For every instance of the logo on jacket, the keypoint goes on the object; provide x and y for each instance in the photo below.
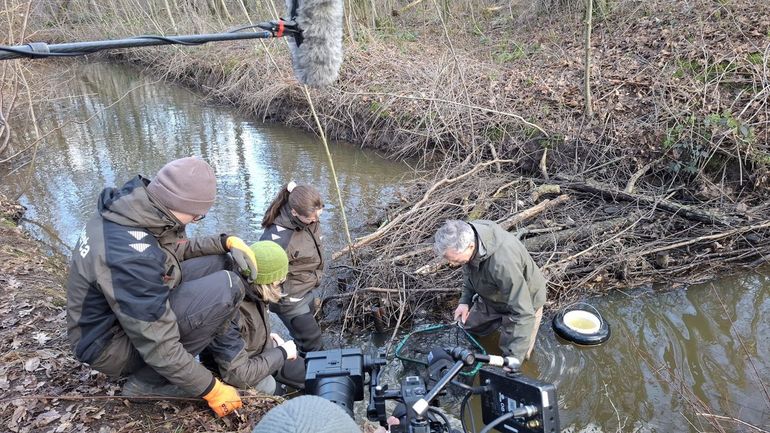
(137, 234)
(82, 245)
(139, 247)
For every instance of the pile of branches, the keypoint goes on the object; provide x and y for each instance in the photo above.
(587, 236)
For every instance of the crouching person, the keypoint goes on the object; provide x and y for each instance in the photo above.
(249, 356)
(142, 299)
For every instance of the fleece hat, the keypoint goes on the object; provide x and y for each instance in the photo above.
(307, 414)
(272, 262)
(185, 185)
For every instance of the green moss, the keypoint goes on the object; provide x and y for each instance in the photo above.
(229, 66)
(379, 109)
(686, 67)
(508, 56)
(5, 222)
(494, 134)
(761, 157)
(756, 58)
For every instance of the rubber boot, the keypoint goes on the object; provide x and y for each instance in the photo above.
(306, 333)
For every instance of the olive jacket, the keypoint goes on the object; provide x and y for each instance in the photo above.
(504, 274)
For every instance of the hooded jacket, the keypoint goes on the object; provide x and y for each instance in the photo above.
(249, 354)
(123, 267)
(503, 273)
(302, 243)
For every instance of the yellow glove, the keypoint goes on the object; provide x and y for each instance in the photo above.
(243, 256)
(223, 399)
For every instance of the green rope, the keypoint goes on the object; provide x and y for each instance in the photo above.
(430, 328)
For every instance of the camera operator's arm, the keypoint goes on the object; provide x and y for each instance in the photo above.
(391, 422)
(515, 338)
(235, 365)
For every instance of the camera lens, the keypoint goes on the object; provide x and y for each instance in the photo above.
(339, 390)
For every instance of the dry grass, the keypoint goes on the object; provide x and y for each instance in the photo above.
(680, 119)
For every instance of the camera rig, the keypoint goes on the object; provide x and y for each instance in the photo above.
(510, 401)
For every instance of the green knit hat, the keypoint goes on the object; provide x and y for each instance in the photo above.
(272, 263)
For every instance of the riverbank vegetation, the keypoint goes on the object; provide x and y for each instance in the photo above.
(636, 152)
(655, 171)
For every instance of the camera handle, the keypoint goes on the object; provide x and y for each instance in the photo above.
(422, 405)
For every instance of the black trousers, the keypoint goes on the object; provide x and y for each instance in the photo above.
(204, 302)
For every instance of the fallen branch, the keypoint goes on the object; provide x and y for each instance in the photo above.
(731, 419)
(401, 309)
(397, 12)
(530, 213)
(739, 230)
(593, 246)
(635, 178)
(360, 242)
(389, 291)
(415, 252)
(616, 194)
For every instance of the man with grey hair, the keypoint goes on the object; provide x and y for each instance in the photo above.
(500, 279)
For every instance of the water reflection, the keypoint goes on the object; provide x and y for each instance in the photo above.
(673, 355)
(110, 124)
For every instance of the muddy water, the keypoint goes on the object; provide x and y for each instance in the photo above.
(673, 355)
(676, 362)
(111, 123)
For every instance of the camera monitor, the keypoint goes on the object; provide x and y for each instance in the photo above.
(511, 392)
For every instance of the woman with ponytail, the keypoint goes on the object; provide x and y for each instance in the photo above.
(292, 221)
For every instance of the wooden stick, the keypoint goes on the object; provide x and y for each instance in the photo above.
(616, 194)
(764, 225)
(387, 290)
(365, 240)
(727, 418)
(546, 241)
(635, 177)
(576, 255)
(533, 211)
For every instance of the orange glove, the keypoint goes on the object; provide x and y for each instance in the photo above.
(223, 399)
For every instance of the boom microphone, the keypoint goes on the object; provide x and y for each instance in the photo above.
(314, 29)
(316, 54)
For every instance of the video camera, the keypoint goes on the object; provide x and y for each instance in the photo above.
(510, 402)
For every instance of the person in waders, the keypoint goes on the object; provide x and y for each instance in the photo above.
(143, 299)
(502, 286)
(267, 356)
(293, 222)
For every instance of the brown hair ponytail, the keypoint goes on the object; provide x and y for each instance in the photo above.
(304, 199)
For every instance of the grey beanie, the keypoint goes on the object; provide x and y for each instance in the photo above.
(185, 185)
(307, 414)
